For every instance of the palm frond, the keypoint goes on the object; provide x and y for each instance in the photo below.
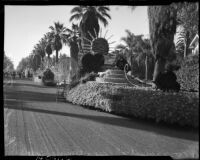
(78, 9)
(103, 9)
(104, 14)
(76, 17)
(102, 19)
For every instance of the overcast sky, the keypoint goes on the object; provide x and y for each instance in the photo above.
(26, 25)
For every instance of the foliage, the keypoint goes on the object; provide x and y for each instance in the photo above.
(120, 61)
(74, 42)
(48, 49)
(162, 27)
(188, 74)
(188, 19)
(48, 75)
(137, 51)
(7, 64)
(98, 62)
(36, 62)
(89, 77)
(89, 17)
(92, 62)
(24, 63)
(173, 108)
(57, 37)
(100, 46)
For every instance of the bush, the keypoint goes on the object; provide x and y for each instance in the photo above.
(120, 61)
(92, 63)
(89, 77)
(48, 76)
(175, 108)
(87, 62)
(188, 74)
(98, 62)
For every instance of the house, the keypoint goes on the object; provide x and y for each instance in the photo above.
(194, 45)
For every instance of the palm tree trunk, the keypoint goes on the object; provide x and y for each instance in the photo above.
(56, 56)
(146, 67)
(159, 67)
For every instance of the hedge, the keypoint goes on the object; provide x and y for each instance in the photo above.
(179, 108)
(188, 74)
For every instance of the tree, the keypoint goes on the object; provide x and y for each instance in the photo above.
(162, 27)
(188, 20)
(129, 46)
(73, 42)
(136, 49)
(57, 37)
(89, 17)
(7, 64)
(24, 64)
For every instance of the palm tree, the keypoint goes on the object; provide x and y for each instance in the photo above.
(57, 37)
(145, 54)
(182, 44)
(73, 41)
(131, 47)
(89, 17)
(162, 27)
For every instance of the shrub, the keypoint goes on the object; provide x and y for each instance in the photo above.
(48, 75)
(188, 74)
(87, 62)
(120, 61)
(48, 78)
(175, 108)
(98, 62)
(89, 77)
(92, 63)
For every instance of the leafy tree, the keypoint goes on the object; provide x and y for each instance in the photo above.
(24, 63)
(162, 27)
(35, 61)
(7, 64)
(89, 17)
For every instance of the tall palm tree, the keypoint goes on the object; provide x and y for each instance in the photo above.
(162, 27)
(73, 41)
(131, 46)
(89, 17)
(57, 37)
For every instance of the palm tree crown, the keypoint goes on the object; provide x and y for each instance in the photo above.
(100, 12)
(57, 37)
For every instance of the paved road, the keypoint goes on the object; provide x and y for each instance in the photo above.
(36, 125)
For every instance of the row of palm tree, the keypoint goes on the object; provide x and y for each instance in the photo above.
(162, 30)
(88, 17)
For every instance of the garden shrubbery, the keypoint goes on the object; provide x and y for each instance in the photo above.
(92, 63)
(48, 77)
(188, 74)
(179, 108)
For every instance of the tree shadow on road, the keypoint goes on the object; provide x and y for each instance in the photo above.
(115, 121)
(31, 96)
(34, 85)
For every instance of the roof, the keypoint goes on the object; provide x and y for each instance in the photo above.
(196, 38)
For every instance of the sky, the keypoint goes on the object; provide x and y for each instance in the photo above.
(24, 26)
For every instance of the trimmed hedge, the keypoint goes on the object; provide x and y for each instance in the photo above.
(179, 108)
(188, 74)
